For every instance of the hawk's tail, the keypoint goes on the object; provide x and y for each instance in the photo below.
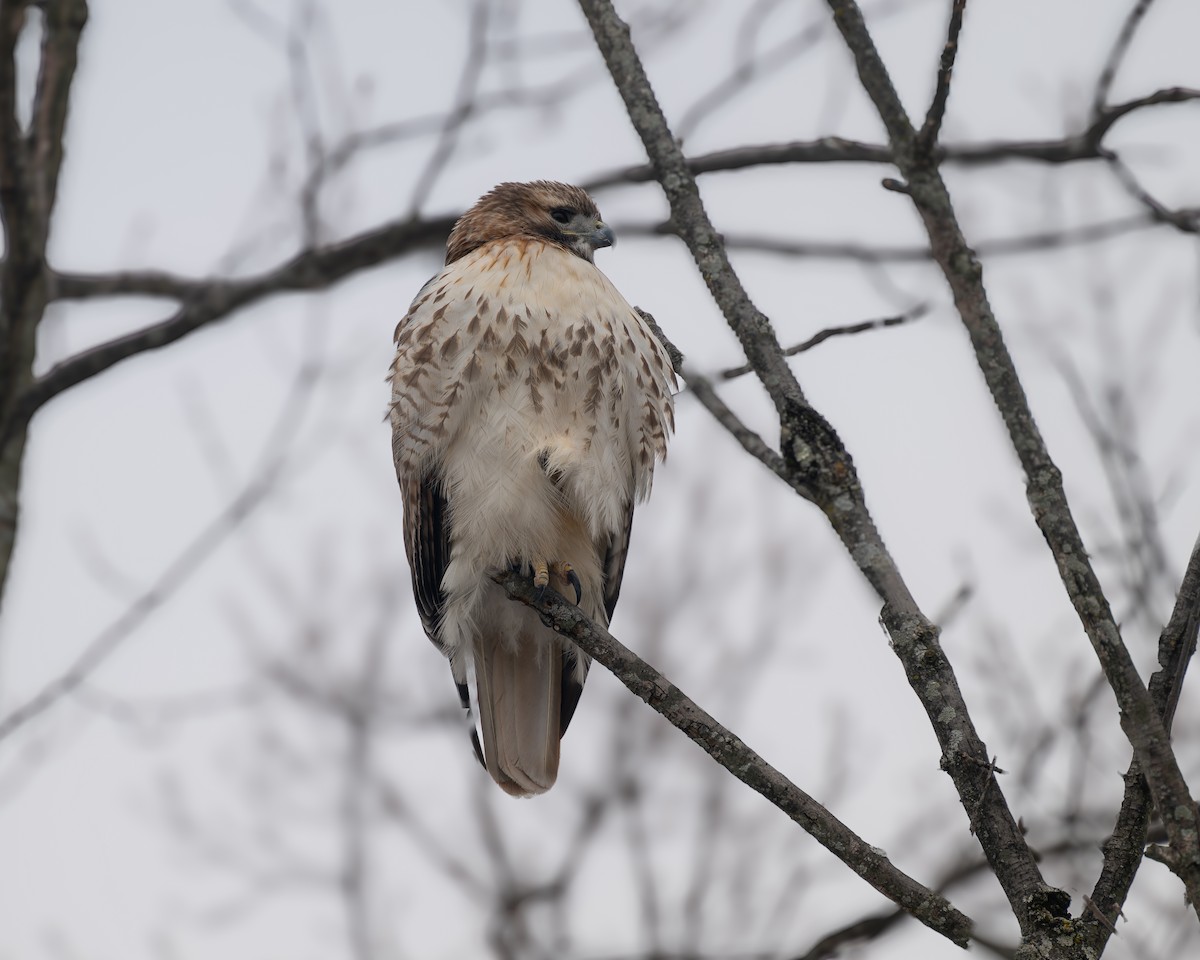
(518, 680)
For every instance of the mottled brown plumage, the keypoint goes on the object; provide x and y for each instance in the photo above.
(529, 404)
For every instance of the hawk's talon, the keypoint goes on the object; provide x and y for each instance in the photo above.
(567, 572)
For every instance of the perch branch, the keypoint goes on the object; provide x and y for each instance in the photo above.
(646, 682)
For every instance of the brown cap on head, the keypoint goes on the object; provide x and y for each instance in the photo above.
(555, 212)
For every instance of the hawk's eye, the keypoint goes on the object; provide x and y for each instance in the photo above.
(562, 214)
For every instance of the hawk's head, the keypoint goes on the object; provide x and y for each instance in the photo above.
(556, 212)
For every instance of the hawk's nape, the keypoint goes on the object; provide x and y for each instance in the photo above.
(530, 402)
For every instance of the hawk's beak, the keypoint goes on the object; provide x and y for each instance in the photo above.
(602, 236)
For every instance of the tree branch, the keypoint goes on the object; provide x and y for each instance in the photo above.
(691, 220)
(850, 329)
(1116, 55)
(818, 467)
(843, 250)
(207, 302)
(723, 746)
(1047, 499)
(65, 20)
(1107, 116)
(700, 387)
(1123, 850)
(12, 146)
(466, 96)
(1001, 246)
(29, 173)
(941, 93)
(1185, 219)
(1084, 145)
(271, 467)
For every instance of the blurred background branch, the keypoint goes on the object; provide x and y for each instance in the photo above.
(277, 765)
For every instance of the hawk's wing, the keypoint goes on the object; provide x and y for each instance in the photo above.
(612, 551)
(427, 543)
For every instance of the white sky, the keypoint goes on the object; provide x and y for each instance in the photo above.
(184, 154)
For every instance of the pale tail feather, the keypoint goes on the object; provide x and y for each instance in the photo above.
(519, 686)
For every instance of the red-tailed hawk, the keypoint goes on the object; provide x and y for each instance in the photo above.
(529, 404)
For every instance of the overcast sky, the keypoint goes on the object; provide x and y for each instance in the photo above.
(185, 153)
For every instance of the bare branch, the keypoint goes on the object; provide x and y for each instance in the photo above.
(104, 644)
(12, 145)
(818, 467)
(65, 20)
(1186, 219)
(464, 106)
(29, 172)
(207, 302)
(1116, 55)
(1123, 850)
(294, 39)
(355, 801)
(702, 389)
(1084, 145)
(1177, 644)
(1087, 233)
(1108, 116)
(751, 67)
(153, 713)
(394, 806)
(753, 329)
(1047, 499)
(860, 931)
(937, 109)
(724, 747)
(863, 326)
(1070, 149)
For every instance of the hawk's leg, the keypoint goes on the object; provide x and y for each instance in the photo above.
(560, 568)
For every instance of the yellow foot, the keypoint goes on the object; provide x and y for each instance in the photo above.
(541, 575)
(542, 571)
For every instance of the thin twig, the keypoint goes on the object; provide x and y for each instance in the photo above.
(465, 95)
(1116, 55)
(702, 389)
(1087, 233)
(1186, 219)
(216, 300)
(1106, 118)
(860, 931)
(294, 40)
(863, 326)
(754, 65)
(932, 126)
(104, 644)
